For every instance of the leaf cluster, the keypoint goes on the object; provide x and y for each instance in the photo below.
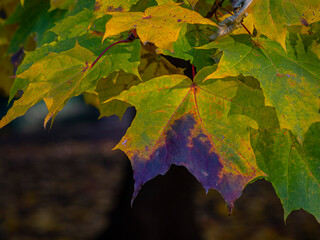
(251, 111)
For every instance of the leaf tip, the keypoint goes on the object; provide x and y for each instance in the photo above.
(230, 207)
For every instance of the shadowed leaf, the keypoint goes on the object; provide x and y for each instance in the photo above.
(290, 81)
(192, 36)
(33, 17)
(73, 25)
(289, 169)
(151, 66)
(61, 4)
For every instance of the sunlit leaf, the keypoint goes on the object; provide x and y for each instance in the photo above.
(179, 122)
(103, 7)
(160, 24)
(59, 76)
(271, 17)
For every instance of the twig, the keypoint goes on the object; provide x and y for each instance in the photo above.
(222, 8)
(216, 5)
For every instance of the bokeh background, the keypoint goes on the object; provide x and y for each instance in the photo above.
(67, 183)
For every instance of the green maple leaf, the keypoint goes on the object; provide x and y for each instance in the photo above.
(185, 123)
(155, 65)
(192, 36)
(33, 17)
(293, 171)
(250, 101)
(59, 76)
(72, 26)
(61, 4)
(271, 17)
(159, 24)
(290, 80)
(112, 86)
(310, 146)
(89, 42)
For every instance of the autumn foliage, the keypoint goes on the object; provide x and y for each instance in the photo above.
(250, 111)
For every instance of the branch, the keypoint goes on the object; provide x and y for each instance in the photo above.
(214, 8)
(233, 22)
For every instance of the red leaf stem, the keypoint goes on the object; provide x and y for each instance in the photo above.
(193, 72)
(110, 46)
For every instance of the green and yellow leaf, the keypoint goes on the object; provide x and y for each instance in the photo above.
(290, 80)
(159, 25)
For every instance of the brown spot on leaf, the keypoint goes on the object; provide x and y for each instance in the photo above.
(118, 9)
(97, 6)
(113, 9)
(147, 17)
(96, 33)
(304, 22)
(280, 75)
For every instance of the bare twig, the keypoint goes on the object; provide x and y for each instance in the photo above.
(233, 22)
(216, 5)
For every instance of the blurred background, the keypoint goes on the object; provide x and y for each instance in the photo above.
(66, 183)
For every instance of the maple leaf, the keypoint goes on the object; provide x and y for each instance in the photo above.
(155, 65)
(255, 113)
(7, 68)
(103, 7)
(192, 36)
(110, 87)
(290, 80)
(193, 3)
(159, 24)
(185, 123)
(72, 26)
(87, 41)
(250, 101)
(61, 4)
(59, 76)
(293, 172)
(271, 17)
(39, 20)
(151, 66)
(5, 73)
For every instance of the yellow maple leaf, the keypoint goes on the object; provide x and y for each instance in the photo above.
(159, 24)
